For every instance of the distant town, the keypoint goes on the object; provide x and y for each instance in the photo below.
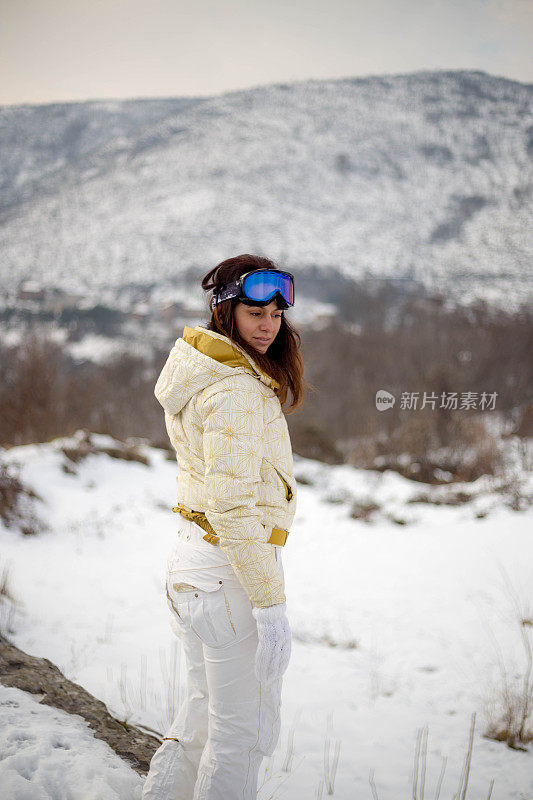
(131, 312)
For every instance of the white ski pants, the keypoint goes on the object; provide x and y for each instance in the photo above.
(229, 721)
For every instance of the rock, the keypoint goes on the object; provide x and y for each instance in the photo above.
(40, 677)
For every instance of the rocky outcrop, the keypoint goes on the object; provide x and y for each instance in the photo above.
(40, 677)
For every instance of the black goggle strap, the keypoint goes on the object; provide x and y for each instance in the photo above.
(227, 292)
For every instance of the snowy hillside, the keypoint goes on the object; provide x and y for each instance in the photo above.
(396, 626)
(424, 177)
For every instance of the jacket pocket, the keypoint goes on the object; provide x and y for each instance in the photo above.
(288, 490)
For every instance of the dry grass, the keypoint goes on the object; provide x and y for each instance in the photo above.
(8, 604)
(509, 702)
(418, 788)
(15, 502)
(83, 446)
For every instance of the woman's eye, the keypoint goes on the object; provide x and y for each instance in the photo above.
(258, 314)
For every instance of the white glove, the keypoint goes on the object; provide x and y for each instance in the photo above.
(274, 648)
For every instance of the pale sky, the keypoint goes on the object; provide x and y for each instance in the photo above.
(60, 50)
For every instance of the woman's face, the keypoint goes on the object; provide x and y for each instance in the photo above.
(258, 325)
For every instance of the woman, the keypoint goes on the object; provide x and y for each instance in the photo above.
(222, 388)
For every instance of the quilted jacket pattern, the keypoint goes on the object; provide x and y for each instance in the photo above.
(233, 450)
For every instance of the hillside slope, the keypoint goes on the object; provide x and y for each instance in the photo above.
(425, 176)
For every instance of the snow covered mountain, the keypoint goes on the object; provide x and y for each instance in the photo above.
(425, 176)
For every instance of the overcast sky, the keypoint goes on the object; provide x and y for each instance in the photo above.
(59, 50)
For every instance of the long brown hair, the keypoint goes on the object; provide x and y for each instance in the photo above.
(284, 361)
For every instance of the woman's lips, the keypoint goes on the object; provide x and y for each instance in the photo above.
(263, 341)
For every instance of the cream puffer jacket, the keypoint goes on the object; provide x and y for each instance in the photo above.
(233, 450)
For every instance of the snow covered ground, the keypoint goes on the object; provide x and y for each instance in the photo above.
(396, 626)
(40, 745)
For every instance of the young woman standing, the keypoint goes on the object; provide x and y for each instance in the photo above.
(222, 390)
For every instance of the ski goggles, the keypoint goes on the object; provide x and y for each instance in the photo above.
(258, 287)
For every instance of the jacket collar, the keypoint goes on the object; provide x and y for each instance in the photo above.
(222, 349)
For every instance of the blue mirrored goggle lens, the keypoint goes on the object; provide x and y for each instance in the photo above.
(263, 286)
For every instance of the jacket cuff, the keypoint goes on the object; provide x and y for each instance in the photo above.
(269, 613)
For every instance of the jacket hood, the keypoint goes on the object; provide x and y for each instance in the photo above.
(199, 358)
